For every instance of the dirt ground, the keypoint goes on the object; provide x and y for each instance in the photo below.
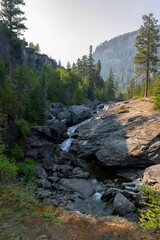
(74, 226)
(78, 227)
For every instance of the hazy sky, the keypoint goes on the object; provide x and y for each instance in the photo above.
(65, 29)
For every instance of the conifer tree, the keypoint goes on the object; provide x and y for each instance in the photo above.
(109, 86)
(147, 43)
(13, 18)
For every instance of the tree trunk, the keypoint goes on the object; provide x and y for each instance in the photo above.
(147, 78)
(146, 84)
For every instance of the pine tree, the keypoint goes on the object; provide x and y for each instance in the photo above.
(147, 43)
(109, 86)
(13, 18)
(91, 74)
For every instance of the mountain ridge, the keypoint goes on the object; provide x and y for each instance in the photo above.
(118, 54)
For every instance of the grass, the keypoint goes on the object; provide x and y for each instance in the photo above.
(17, 203)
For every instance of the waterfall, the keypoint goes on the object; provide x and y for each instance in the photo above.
(65, 145)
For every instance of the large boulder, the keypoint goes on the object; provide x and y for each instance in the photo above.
(79, 113)
(152, 175)
(128, 138)
(54, 132)
(122, 205)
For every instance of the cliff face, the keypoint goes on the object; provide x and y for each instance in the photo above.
(36, 60)
(22, 53)
(118, 53)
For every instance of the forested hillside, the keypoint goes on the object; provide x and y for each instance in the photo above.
(118, 54)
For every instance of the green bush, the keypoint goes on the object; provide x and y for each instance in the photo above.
(150, 217)
(23, 126)
(16, 152)
(27, 171)
(8, 170)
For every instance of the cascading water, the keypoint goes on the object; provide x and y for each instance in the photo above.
(65, 145)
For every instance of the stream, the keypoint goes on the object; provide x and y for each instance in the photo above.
(100, 177)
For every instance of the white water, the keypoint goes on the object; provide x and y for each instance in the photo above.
(65, 146)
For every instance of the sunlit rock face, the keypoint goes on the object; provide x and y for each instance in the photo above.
(126, 134)
(152, 175)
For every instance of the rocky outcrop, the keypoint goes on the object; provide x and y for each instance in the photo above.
(37, 60)
(127, 134)
(152, 175)
(22, 53)
(70, 115)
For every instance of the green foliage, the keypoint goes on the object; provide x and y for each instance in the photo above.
(50, 215)
(110, 87)
(27, 171)
(16, 152)
(35, 47)
(8, 169)
(147, 42)
(150, 217)
(12, 16)
(23, 126)
(18, 198)
(157, 92)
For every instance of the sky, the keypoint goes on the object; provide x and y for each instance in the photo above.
(65, 29)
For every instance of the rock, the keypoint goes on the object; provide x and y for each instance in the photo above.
(44, 130)
(109, 194)
(32, 153)
(53, 179)
(133, 118)
(43, 193)
(112, 192)
(43, 183)
(152, 175)
(46, 149)
(41, 173)
(79, 113)
(122, 205)
(53, 132)
(82, 186)
(42, 237)
(48, 162)
(65, 115)
(89, 206)
(78, 173)
(113, 141)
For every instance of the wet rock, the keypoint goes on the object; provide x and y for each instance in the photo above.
(122, 205)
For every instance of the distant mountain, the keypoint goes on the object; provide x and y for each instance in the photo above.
(118, 53)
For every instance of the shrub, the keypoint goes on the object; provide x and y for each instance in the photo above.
(150, 217)
(27, 171)
(23, 126)
(17, 152)
(8, 170)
